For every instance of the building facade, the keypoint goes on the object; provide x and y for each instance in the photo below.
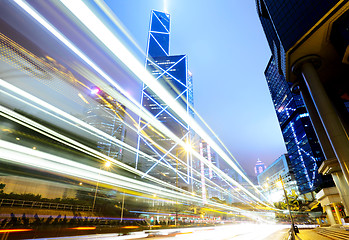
(309, 42)
(281, 167)
(301, 142)
(206, 172)
(259, 167)
(107, 115)
(172, 161)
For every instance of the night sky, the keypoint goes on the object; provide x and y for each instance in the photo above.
(227, 53)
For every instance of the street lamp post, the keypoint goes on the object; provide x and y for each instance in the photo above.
(122, 207)
(177, 155)
(187, 149)
(289, 209)
(107, 164)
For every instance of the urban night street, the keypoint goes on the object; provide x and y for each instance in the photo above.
(174, 119)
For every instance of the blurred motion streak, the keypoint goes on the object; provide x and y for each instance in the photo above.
(126, 57)
(86, 16)
(83, 228)
(15, 230)
(68, 86)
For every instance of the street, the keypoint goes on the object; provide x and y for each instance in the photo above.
(236, 232)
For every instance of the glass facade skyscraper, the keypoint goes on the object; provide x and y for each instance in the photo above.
(300, 139)
(309, 43)
(289, 24)
(172, 72)
(285, 22)
(107, 115)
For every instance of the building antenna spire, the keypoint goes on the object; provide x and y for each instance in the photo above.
(165, 6)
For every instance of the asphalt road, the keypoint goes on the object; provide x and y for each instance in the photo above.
(226, 232)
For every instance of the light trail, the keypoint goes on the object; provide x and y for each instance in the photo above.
(105, 8)
(243, 231)
(81, 11)
(86, 16)
(133, 105)
(72, 143)
(165, 6)
(36, 159)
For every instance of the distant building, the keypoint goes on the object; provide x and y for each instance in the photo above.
(211, 156)
(259, 167)
(107, 115)
(172, 72)
(281, 167)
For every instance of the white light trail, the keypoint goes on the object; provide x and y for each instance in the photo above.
(105, 8)
(70, 142)
(36, 159)
(81, 11)
(242, 231)
(79, 124)
(132, 105)
(165, 6)
(87, 17)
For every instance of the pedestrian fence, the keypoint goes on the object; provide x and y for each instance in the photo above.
(307, 226)
(42, 205)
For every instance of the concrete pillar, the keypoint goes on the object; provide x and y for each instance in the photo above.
(316, 122)
(343, 189)
(338, 178)
(330, 216)
(338, 215)
(329, 118)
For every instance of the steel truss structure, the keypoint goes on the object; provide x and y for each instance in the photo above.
(172, 72)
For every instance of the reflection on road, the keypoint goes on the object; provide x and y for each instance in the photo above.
(235, 232)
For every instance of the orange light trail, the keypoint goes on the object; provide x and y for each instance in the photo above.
(15, 230)
(130, 227)
(83, 228)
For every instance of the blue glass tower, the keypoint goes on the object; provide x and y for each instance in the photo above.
(171, 71)
(300, 139)
(285, 23)
(309, 42)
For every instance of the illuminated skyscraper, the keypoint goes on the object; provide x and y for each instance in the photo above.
(268, 179)
(309, 42)
(302, 145)
(107, 115)
(172, 72)
(259, 167)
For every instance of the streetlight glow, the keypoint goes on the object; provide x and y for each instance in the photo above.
(188, 148)
(107, 164)
(278, 184)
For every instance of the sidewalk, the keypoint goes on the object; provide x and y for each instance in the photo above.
(310, 234)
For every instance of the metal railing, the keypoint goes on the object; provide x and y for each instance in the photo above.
(42, 205)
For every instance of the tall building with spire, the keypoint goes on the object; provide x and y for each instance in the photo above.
(169, 162)
(259, 167)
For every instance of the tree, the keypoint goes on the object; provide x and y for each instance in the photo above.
(2, 186)
(280, 205)
(293, 201)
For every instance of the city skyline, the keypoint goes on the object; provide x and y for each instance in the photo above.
(153, 118)
(253, 128)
